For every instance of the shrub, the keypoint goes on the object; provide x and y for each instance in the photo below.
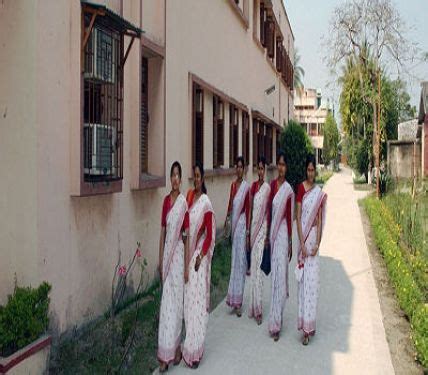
(297, 145)
(409, 294)
(24, 318)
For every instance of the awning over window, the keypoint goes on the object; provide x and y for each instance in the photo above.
(111, 19)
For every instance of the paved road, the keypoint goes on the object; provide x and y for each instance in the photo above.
(350, 334)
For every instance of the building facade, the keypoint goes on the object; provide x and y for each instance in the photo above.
(94, 111)
(309, 112)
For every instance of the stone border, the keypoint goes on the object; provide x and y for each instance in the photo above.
(7, 363)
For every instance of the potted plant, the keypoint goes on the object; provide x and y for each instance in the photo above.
(24, 343)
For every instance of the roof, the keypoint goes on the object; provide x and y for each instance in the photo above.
(423, 106)
(120, 23)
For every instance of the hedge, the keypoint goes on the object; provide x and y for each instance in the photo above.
(24, 318)
(409, 295)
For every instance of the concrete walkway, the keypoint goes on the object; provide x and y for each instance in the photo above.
(350, 335)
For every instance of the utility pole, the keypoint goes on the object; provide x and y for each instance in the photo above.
(378, 139)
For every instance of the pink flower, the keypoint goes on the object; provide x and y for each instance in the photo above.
(122, 270)
(138, 252)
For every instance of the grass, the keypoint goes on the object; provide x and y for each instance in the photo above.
(409, 287)
(323, 176)
(98, 348)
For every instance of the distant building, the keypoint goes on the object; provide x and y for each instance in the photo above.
(423, 121)
(311, 115)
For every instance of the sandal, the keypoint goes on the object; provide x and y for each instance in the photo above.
(305, 340)
(238, 312)
(275, 337)
(163, 367)
(259, 321)
(195, 365)
(178, 357)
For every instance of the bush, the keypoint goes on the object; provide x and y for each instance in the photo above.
(297, 145)
(409, 295)
(24, 318)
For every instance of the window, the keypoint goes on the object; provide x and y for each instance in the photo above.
(144, 149)
(278, 142)
(278, 55)
(320, 129)
(102, 105)
(255, 142)
(246, 137)
(262, 25)
(218, 132)
(198, 124)
(233, 134)
(268, 140)
(260, 139)
(313, 129)
(270, 37)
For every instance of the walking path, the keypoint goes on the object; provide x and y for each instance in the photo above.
(350, 335)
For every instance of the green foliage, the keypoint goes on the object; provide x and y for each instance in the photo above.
(409, 294)
(323, 177)
(24, 318)
(358, 101)
(297, 145)
(331, 140)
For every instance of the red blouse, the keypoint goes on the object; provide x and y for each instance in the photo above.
(167, 207)
(206, 225)
(246, 207)
(300, 192)
(287, 212)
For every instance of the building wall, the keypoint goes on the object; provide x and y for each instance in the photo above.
(18, 146)
(404, 158)
(49, 232)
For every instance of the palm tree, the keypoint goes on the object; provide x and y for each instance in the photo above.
(299, 72)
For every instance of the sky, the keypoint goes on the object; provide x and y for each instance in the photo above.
(309, 21)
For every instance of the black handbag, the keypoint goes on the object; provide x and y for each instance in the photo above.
(265, 266)
(248, 253)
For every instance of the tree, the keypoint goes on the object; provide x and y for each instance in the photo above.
(371, 25)
(297, 145)
(331, 140)
(299, 72)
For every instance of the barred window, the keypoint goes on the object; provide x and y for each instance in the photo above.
(233, 134)
(198, 124)
(102, 107)
(218, 132)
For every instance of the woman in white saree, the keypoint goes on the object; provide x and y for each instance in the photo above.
(282, 209)
(239, 211)
(172, 253)
(260, 193)
(311, 206)
(198, 279)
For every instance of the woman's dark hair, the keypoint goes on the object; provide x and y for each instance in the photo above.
(177, 165)
(310, 159)
(201, 169)
(261, 159)
(240, 159)
(282, 155)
